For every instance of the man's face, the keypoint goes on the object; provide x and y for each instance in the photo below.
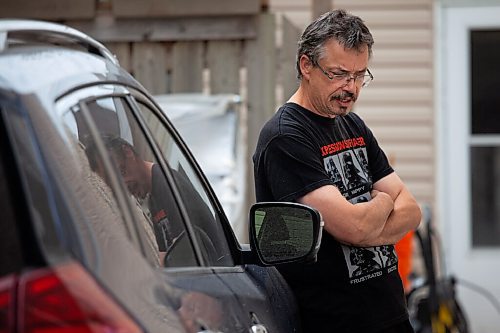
(133, 172)
(333, 96)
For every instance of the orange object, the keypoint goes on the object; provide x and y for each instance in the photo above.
(404, 250)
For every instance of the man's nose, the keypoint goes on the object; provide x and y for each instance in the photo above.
(350, 84)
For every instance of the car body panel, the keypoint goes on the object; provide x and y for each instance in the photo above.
(265, 296)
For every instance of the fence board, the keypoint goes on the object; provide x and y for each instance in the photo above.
(300, 18)
(48, 9)
(223, 60)
(162, 8)
(122, 52)
(261, 68)
(320, 6)
(289, 79)
(148, 66)
(305, 5)
(379, 3)
(187, 67)
(173, 29)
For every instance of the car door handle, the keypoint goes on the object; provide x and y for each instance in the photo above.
(207, 330)
(258, 328)
(204, 328)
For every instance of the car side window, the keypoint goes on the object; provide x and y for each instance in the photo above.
(118, 152)
(204, 217)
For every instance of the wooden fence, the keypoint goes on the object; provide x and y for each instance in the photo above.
(179, 46)
(246, 61)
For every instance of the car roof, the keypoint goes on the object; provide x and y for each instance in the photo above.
(37, 55)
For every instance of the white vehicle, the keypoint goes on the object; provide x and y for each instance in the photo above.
(210, 125)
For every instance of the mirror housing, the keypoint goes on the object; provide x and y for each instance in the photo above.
(284, 232)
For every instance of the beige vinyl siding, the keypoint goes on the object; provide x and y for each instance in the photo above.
(398, 105)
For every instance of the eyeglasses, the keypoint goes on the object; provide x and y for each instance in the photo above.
(344, 78)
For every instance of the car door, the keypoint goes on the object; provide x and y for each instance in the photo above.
(117, 146)
(105, 239)
(248, 287)
(79, 267)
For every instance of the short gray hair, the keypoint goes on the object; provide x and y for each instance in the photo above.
(347, 29)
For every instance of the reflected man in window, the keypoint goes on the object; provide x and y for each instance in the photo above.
(146, 182)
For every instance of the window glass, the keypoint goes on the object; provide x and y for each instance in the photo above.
(485, 138)
(485, 183)
(93, 201)
(122, 155)
(485, 81)
(203, 216)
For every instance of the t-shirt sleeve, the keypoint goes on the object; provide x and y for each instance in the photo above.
(293, 168)
(377, 159)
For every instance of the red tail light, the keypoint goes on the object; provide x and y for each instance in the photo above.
(61, 299)
(7, 302)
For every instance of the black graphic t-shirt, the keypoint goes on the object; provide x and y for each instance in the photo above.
(349, 289)
(163, 210)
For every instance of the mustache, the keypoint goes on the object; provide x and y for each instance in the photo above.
(345, 95)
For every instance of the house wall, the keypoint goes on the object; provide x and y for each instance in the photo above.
(399, 104)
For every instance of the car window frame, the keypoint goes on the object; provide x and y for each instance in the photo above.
(209, 223)
(149, 139)
(138, 96)
(132, 95)
(79, 99)
(119, 187)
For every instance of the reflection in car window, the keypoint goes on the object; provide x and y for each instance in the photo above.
(130, 160)
(203, 216)
(94, 197)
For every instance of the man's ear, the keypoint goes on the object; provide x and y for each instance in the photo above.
(306, 66)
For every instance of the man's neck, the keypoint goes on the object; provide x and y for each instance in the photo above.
(301, 98)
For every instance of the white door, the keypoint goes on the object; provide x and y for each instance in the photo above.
(469, 149)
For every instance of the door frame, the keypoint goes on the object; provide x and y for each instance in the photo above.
(454, 139)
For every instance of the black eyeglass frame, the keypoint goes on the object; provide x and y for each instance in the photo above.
(347, 77)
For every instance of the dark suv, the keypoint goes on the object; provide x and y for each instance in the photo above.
(107, 222)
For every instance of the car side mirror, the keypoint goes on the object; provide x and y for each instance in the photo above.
(284, 232)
